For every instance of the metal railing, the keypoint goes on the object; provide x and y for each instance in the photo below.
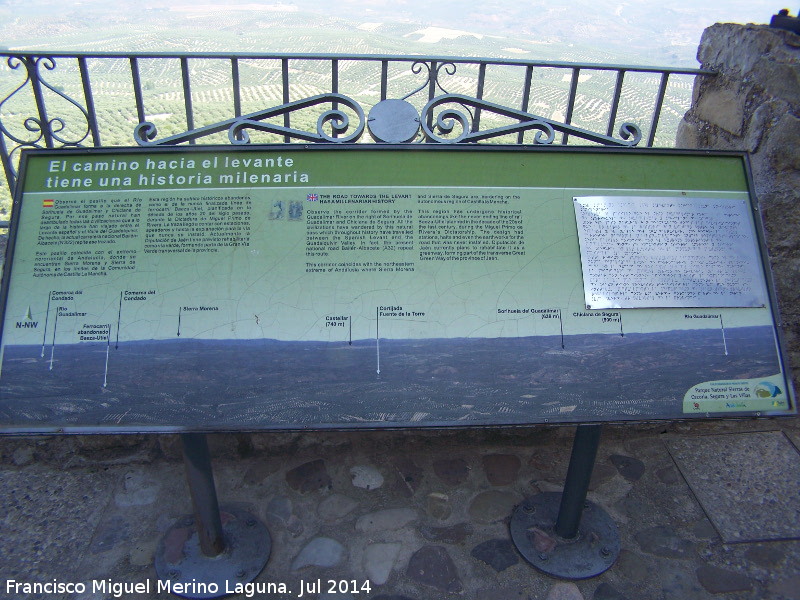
(65, 99)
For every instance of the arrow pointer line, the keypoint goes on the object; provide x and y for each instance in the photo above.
(46, 316)
(108, 347)
(724, 341)
(53, 347)
(378, 336)
(119, 318)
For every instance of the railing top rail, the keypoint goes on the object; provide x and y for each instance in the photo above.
(362, 57)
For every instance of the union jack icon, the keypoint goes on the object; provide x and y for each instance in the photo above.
(312, 197)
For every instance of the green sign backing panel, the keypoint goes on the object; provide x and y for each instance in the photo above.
(282, 287)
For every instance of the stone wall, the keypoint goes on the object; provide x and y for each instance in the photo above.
(753, 104)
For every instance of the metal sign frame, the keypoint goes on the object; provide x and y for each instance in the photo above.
(432, 156)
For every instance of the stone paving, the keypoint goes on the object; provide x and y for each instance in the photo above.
(410, 515)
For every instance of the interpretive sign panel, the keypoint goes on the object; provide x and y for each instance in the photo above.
(220, 288)
(660, 252)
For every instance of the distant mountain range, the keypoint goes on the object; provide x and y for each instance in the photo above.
(621, 31)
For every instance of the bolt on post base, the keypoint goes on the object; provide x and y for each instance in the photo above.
(591, 552)
(184, 570)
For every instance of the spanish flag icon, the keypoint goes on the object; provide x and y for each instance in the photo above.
(48, 203)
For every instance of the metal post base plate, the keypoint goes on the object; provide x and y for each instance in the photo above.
(591, 552)
(191, 574)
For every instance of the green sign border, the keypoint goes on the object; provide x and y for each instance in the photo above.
(423, 166)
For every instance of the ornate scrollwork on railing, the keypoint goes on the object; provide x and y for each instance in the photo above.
(237, 127)
(31, 124)
(433, 75)
(57, 124)
(46, 132)
(546, 129)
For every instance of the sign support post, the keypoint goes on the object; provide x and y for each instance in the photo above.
(209, 553)
(563, 534)
(579, 473)
(200, 477)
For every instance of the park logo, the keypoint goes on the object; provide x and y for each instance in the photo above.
(765, 389)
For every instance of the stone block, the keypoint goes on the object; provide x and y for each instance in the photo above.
(366, 477)
(564, 591)
(698, 86)
(784, 143)
(779, 79)
(408, 476)
(787, 284)
(389, 519)
(634, 566)
(688, 135)
(335, 507)
(501, 469)
(438, 506)
(756, 128)
(677, 584)
(736, 49)
(722, 581)
(630, 468)
(498, 554)
(453, 472)
(309, 477)
(379, 560)
(724, 108)
(432, 566)
(142, 553)
(493, 506)
(319, 552)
